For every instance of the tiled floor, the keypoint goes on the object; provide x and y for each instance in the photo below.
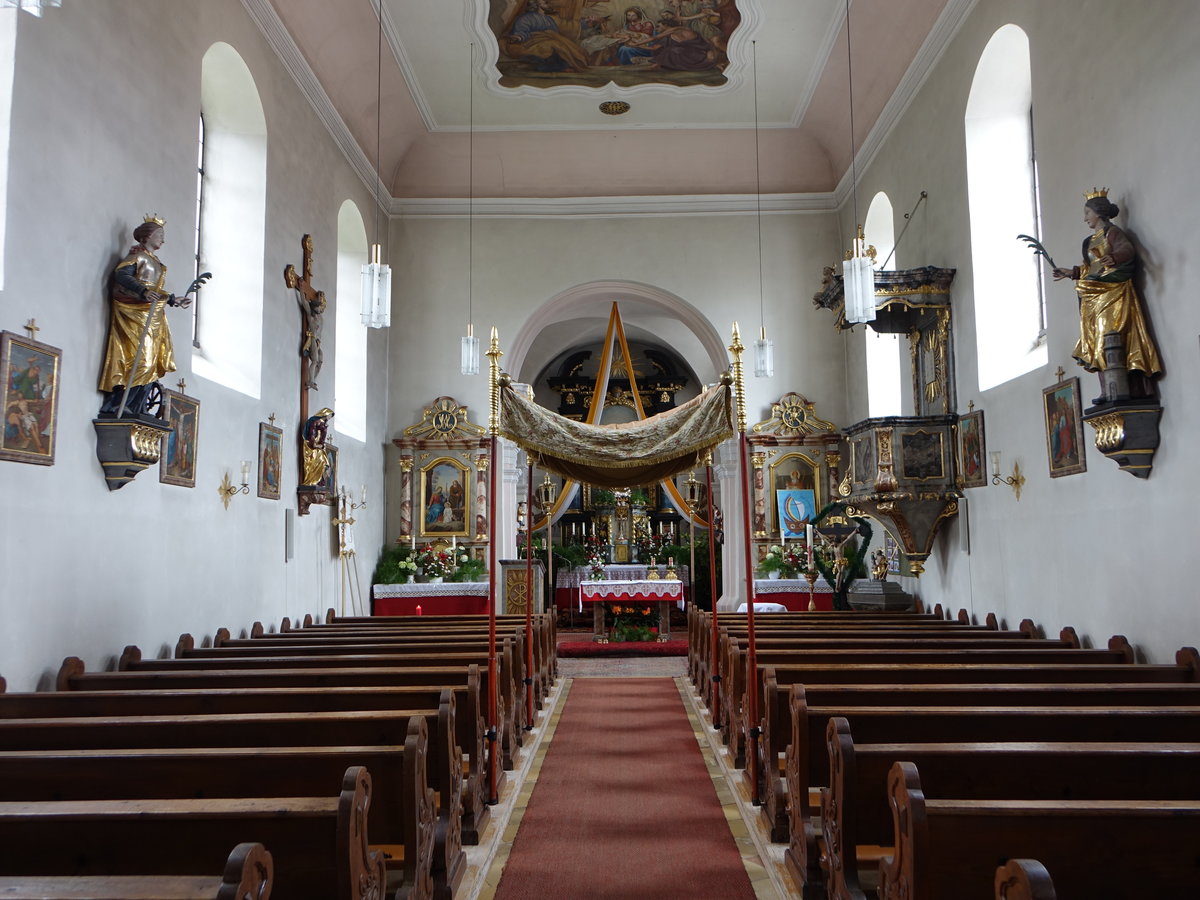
(762, 859)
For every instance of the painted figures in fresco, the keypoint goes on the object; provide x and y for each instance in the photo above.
(597, 41)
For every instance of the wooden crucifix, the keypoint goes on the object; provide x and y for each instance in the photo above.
(312, 310)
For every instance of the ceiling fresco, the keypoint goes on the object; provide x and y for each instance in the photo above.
(591, 43)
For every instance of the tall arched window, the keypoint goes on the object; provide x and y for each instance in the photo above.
(350, 361)
(234, 190)
(1002, 195)
(882, 350)
(8, 54)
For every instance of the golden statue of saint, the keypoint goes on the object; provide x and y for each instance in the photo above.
(316, 457)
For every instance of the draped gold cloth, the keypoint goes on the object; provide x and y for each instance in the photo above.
(625, 455)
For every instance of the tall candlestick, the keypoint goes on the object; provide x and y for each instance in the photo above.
(413, 541)
(808, 534)
(453, 542)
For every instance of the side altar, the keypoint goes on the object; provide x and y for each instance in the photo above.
(659, 592)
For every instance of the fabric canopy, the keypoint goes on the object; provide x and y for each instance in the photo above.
(615, 456)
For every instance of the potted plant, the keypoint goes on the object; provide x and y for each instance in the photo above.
(470, 568)
(396, 566)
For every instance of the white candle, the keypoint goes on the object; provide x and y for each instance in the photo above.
(413, 541)
(453, 543)
(364, 495)
(245, 471)
(808, 533)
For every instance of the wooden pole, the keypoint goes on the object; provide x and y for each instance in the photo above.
(712, 594)
(529, 597)
(737, 348)
(493, 355)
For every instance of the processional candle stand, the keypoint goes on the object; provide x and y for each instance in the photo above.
(736, 348)
(529, 593)
(712, 582)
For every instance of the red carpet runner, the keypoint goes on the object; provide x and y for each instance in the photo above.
(624, 806)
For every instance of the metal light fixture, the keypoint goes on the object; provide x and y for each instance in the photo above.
(228, 490)
(764, 348)
(377, 275)
(469, 354)
(1016, 480)
(547, 491)
(858, 276)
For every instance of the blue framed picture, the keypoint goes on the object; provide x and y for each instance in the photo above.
(796, 509)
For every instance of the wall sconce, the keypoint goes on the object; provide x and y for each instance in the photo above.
(344, 496)
(1016, 480)
(228, 490)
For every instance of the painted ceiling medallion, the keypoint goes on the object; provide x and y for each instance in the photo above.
(614, 107)
(591, 43)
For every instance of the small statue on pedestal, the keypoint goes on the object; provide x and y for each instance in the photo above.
(315, 456)
(879, 565)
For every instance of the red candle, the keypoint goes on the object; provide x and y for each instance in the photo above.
(418, 609)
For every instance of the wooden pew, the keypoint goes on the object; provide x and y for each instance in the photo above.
(281, 691)
(776, 729)
(806, 759)
(948, 848)
(947, 650)
(280, 753)
(854, 809)
(319, 844)
(510, 712)
(248, 873)
(467, 735)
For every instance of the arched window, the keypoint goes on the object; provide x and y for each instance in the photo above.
(8, 54)
(882, 350)
(350, 361)
(233, 218)
(1002, 195)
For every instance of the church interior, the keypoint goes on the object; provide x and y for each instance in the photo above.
(883, 232)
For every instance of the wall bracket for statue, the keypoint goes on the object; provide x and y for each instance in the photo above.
(128, 445)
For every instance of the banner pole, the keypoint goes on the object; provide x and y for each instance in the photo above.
(737, 348)
(712, 594)
(529, 595)
(493, 356)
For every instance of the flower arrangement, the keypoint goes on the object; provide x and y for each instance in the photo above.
(789, 562)
(633, 623)
(470, 568)
(406, 568)
(595, 564)
(436, 563)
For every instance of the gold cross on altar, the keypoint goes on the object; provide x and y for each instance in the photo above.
(32, 327)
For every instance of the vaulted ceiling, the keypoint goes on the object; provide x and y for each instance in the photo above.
(552, 142)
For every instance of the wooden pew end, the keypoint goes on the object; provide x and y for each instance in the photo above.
(1024, 879)
(71, 666)
(222, 637)
(129, 656)
(256, 630)
(185, 643)
(1186, 656)
(1121, 643)
(992, 622)
(1068, 634)
(964, 617)
(249, 872)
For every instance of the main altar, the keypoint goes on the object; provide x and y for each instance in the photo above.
(647, 593)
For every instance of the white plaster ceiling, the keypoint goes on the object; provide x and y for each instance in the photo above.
(555, 143)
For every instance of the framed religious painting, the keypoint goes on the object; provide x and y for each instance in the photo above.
(29, 398)
(445, 498)
(796, 509)
(328, 483)
(270, 460)
(1064, 428)
(177, 465)
(972, 453)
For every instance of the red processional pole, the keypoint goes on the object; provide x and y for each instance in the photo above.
(737, 348)
(529, 598)
(712, 593)
(493, 735)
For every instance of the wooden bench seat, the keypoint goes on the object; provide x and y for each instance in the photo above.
(855, 810)
(776, 727)
(468, 735)
(510, 711)
(807, 760)
(319, 844)
(248, 873)
(947, 849)
(402, 811)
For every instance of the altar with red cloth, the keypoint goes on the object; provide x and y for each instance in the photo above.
(455, 598)
(792, 593)
(659, 592)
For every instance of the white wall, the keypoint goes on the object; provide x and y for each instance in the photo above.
(103, 130)
(1114, 105)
